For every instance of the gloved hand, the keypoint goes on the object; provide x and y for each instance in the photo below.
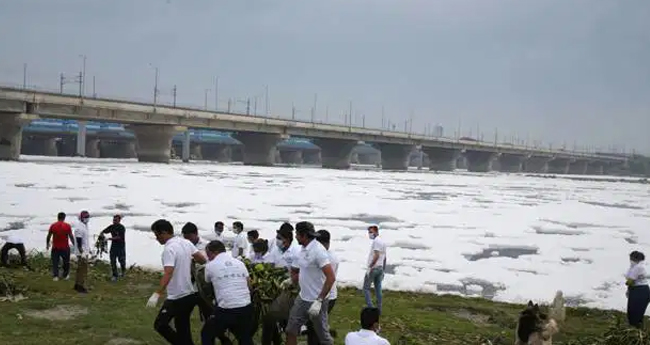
(314, 310)
(368, 270)
(286, 283)
(153, 300)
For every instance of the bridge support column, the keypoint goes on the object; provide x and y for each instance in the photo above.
(50, 148)
(92, 148)
(81, 139)
(395, 156)
(259, 148)
(535, 164)
(154, 142)
(480, 161)
(11, 134)
(335, 153)
(578, 167)
(511, 163)
(185, 154)
(558, 166)
(291, 157)
(442, 159)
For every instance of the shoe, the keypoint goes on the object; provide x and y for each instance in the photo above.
(67, 277)
(56, 279)
(113, 279)
(303, 330)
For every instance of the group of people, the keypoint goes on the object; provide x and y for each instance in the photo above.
(303, 251)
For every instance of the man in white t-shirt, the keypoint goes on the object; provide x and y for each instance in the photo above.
(218, 231)
(375, 267)
(177, 281)
(324, 239)
(286, 252)
(315, 278)
(82, 235)
(234, 311)
(240, 245)
(369, 329)
(13, 242)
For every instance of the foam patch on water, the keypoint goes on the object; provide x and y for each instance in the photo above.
(503, 237)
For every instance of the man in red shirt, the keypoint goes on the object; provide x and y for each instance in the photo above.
(61, 236)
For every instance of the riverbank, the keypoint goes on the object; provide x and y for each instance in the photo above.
(114, 313)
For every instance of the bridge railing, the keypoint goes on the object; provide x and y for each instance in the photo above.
(586, 152)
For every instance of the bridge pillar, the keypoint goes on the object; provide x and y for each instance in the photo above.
(559, 166)
(92, 148)
(259, 148)
(81, 139)
(511, 163)
(11, 134)
(311, 157)
(536, 164)
(335, 153)
(186, 151)
(480, 161)
(291, 157)
(154, 142)
(442, 159)
(395, 156)
(578, 167)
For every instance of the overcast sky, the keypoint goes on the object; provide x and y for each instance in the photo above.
(562, 71)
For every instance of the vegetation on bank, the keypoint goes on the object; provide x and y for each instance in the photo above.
(114, 313)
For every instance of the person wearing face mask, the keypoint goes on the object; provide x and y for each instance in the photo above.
(369, 333)
(284, 255)
(240, 245)
(82, 235)
(638, 292)
(375, 268)
(218, 231)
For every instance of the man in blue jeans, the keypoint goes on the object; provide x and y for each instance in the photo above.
(375, 268)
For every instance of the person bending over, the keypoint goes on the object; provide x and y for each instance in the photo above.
(234, 311)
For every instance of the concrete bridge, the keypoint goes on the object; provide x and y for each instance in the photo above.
(55, 137)
(155, 127)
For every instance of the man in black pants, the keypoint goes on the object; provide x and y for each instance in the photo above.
(234, 310)
(177, 280)
(118, 246)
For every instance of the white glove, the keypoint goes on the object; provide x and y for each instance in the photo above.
(314, 310)
(153, 300)
(286, 283)
(85, 255)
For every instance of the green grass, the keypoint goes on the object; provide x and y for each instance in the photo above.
(116, 310)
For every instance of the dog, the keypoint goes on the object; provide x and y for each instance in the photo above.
(536, 327)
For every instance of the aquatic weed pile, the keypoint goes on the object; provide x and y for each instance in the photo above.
(619, 333)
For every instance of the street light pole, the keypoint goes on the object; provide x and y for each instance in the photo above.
(82, 81)
(205, 101)
(24, 75)
(216, 93)
(94, 93)
(155, 86)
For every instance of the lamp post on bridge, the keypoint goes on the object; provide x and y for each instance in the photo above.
(205, 99)
(155, 86)
(82, 76)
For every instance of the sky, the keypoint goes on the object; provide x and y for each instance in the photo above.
(563, 72)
